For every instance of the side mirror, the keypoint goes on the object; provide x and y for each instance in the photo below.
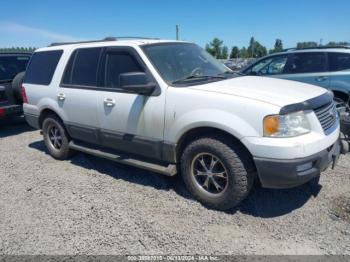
(136, 82)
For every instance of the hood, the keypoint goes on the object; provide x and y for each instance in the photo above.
(270, 90)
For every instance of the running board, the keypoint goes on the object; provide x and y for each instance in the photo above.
(169, 170)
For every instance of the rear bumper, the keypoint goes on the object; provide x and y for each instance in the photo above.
(32, 120)
(276, 173)
(11, 110)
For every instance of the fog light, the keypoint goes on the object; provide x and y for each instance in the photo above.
(304, 167)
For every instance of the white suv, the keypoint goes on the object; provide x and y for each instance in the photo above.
(168, 106)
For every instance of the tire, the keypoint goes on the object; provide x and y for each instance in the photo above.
(236, 163)
(17, 87)
(58, 148)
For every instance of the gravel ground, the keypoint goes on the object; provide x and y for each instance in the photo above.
(93, 206)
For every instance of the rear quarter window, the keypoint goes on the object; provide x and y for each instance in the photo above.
(339, 61)
(42, 66)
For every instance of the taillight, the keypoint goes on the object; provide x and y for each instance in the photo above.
(2, 112)
(24, 95)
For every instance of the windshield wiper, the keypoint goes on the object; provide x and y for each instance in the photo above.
(198, 77)
(231, 73)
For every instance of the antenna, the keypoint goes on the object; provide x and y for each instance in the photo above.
(177, 32)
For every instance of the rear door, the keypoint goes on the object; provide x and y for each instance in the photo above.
(308, 67)
(339, 67)
(78, 92)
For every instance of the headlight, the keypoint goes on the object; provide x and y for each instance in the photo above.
(289, 125)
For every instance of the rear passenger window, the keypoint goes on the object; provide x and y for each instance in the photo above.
(339, 61)
(119, 63)
(308, 63)
(42, 66)
(82, 67)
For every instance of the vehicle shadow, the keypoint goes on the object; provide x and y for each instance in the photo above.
(263, 203)
(268, 203)
(13, 126)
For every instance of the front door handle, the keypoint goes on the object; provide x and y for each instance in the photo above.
(61, 97)
(109, 102)
(321, 78)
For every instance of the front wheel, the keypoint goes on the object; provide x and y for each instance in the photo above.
(56, 138)
(217, 173)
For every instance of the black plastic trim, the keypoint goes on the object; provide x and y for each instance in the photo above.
(123, 142)
(310, 104)
(276, 173)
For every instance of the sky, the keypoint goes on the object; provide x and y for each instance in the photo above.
(38, 23)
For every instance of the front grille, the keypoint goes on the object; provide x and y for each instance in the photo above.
(327, 115)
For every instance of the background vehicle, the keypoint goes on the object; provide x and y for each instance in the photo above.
(327, 67)
(163, 105)
(12, 67)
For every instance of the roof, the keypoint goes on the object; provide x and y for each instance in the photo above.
(344, 49)
(107, 42)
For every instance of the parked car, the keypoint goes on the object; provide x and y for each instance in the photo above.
(12, 67)
(169, 106)
(236, 64)
(327, 67)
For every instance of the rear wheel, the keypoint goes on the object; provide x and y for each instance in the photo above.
(56, 138)
(217, 173)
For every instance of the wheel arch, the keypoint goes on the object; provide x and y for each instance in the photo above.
(340, 94)
(44, 113)
(197, 132)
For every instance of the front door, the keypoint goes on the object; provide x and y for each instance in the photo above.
(129, 122)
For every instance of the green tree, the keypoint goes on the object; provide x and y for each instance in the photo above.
(255, 49)
(215, 47)
(17, 49)
(234, 52)
(306, 44)
(209, 49)
(278, 46)
(243, 53)
(224, 53)
(332, 43)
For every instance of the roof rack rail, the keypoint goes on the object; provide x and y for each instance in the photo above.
(109, 38)
(116, 38)
(317, 47)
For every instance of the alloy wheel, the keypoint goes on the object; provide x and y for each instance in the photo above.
(209, 173)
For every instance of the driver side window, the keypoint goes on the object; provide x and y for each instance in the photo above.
(270, 66)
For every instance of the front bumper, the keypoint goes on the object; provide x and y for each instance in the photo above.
(11, 110)
(276, 173)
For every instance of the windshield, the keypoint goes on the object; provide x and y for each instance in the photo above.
(11, 65)
(185, 62)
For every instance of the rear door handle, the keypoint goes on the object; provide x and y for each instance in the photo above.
(61, 97)
(321, 78)
(109, 102)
